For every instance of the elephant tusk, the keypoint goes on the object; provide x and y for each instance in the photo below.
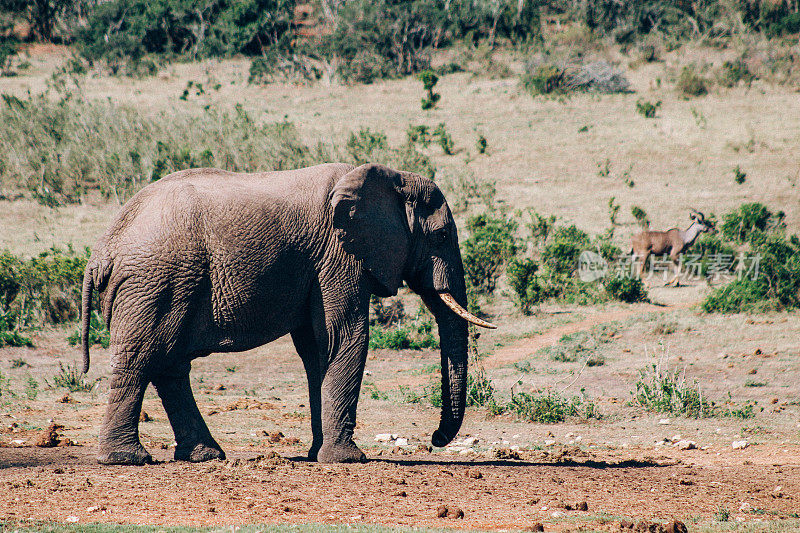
(463, 313)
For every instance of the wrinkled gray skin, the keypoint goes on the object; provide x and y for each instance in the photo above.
(206, 261)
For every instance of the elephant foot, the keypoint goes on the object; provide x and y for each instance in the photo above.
(340, 453)
(199, 453)
(135, 457)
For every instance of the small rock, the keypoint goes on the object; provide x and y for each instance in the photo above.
(424, 448)
(582, 506)
(686, 445)
(401, 442)
(752, 371)
(67, 399)
(291, 440)
(549, 442)
(625, 524)
(441, 512)
(455, 512)
(276, 437)
(535, 527)
(144, 417)
(475, 474)
(664, 421)
(645, 526)
(220, 387)
(686, 482)
(470, 441)
(740, 444)
(385, 437)
(71, 519)
(676, 526)
(401, 494)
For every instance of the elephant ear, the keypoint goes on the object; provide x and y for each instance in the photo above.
(373, 219)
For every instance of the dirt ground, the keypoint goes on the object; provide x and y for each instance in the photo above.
(625, 466)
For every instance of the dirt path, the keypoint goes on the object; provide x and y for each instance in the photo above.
(522, 348)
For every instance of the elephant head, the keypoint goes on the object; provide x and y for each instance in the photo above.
(399, 225)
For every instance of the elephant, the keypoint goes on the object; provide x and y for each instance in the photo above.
(206, 261)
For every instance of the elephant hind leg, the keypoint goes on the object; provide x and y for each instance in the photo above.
(194, 440)
(119, 437)
(309, 352)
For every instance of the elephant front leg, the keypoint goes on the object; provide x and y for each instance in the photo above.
(340, 389)
(194, 440)
(119, 436)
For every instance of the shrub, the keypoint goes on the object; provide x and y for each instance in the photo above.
(739, 176)
(126, 31)
(550, 407)
(490, 245)
(626, 289)
(445, 141)
(666, 391)
(640, 216)
(735, 71)
(42, 289)
(72, 379)
(387, 331)
(521, 275)
(561, 255)
(691, 83)
(429, 80)
(480, 391)
(738, 225)
(647, 109)
(481, 144)
(367, 146)
(776, 285)
(98, 332)
(543, 79)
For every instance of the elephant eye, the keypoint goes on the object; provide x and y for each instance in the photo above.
(440, 236)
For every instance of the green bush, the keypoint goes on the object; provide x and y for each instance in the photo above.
(521, 275)
(390, 329)
(42, 289)
(490, 245)
(72, 379)
(543, 79)
(626, 289)
(775, 286)
(550, 407)
(123, 32)
(738, 176)
(367, 146)
(647, 109)
(393, 38)
(561, 254)
(691, 83)
(734, 72)
(666, 391)
(641, 217)
(429, 80)
(480, 391)
(738, 225)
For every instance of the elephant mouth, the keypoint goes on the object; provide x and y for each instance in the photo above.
(450, 302)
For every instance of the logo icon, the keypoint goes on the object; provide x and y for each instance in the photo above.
(591, 266)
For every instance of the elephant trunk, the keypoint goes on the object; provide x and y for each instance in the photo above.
(453, 343)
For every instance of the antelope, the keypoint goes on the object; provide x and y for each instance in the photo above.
(673, 242)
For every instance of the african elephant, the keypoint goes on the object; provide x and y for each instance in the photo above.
(206, 260)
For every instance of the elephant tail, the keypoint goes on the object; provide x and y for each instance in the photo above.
(86, 313)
